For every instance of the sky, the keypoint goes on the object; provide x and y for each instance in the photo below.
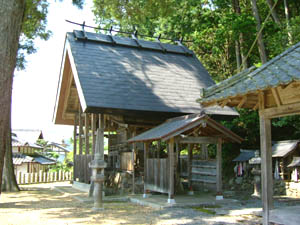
(34, 89)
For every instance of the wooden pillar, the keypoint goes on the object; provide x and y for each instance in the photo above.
(74, 145)
(171, 199)
(80, 130)
(204, 152)
(86, 133)
(146, 149)
(159, 148)
(133, 162)
(266, 166)
(189, 167)
(93, 124)
(219, 170)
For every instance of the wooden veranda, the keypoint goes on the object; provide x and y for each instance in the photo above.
(159, 174)
(273, 90)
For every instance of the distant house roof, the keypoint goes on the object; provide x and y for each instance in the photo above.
(118, 75)
(245, 155)
(28, 135)
(295, 162)
(17, 142)
(181, 125)
(58, 146)
(19, 158)
(283, 148)
(282, 69)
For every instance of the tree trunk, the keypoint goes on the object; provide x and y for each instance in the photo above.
(9, 182)
(273, 12)
(11, 14)
(261, 45)
(239, 50)
(287, 16)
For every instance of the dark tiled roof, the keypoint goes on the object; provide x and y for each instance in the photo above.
(128, 74)
(282, 69)
(283, 148)
(43, 160)
(245, 155)
(295, 162)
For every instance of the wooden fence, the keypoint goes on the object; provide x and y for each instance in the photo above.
(43, 177)
(82, 171)
(157, 175)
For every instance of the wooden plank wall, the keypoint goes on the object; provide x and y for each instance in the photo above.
(126, 161)
(158, 175)
(82, 172)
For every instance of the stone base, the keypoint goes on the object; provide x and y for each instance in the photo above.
(171, 201)
(191, 193)
(219, 197)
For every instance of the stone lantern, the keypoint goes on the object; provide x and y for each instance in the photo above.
(256, 161)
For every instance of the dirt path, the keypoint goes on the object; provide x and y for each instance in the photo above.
(43, 204)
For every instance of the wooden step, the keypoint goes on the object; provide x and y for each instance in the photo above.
(204, 166)
(204, 173)
(204, 181)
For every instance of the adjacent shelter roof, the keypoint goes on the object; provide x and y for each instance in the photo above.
(281, 70)
(19, 158)
(119, 75)
(283, 148)
(183, 125)
(245, 155)
(295, 162)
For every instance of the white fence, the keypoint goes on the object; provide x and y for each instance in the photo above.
(43, 177)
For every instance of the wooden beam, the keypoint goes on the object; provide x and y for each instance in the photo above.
(219, 167)
(225, 102)
(199, 140)
(132, 158)
(190, 160)
(86, 133)
(93, 124)
(171, 177)
(283, 110)
(266, 167)
(75, 136)
(276, 96)
(261, 100)
(242, 102)
(204, 151)
(256, 106)
(80, 130)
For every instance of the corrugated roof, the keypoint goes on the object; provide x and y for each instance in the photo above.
(295, 162)
(244, 155)
(19, 158)
(282, 69)
(283, 148)
(123, 73)
(179, 125)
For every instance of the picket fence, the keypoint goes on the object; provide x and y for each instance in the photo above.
(43, 177)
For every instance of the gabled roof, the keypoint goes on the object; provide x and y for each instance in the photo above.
(244, 155)
(58, 146)
(283, 148)
(281, 70)
(19, 158)
(124, 76)
(18, 142)
(295, 162)
(184, 125)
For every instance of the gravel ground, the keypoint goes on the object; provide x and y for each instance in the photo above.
(44, 204)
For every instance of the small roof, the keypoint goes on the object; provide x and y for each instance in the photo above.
(282, 69)
(295, 162)
(244, 155)
(58, 146)
(183, 125)
(283, 148)
(17, 142)
(125, 76)
(19, 158)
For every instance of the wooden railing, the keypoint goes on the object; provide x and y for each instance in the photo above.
(43, 177)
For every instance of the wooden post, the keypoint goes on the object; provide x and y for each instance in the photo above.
(171, 199)
(93, 124)
(75, 141)
(266, 166)
(219, 170)
(86, 134)
(146, 149)
(189, 167)
(80, 131)
(159, 148)
(132, 158)
(204, 152)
